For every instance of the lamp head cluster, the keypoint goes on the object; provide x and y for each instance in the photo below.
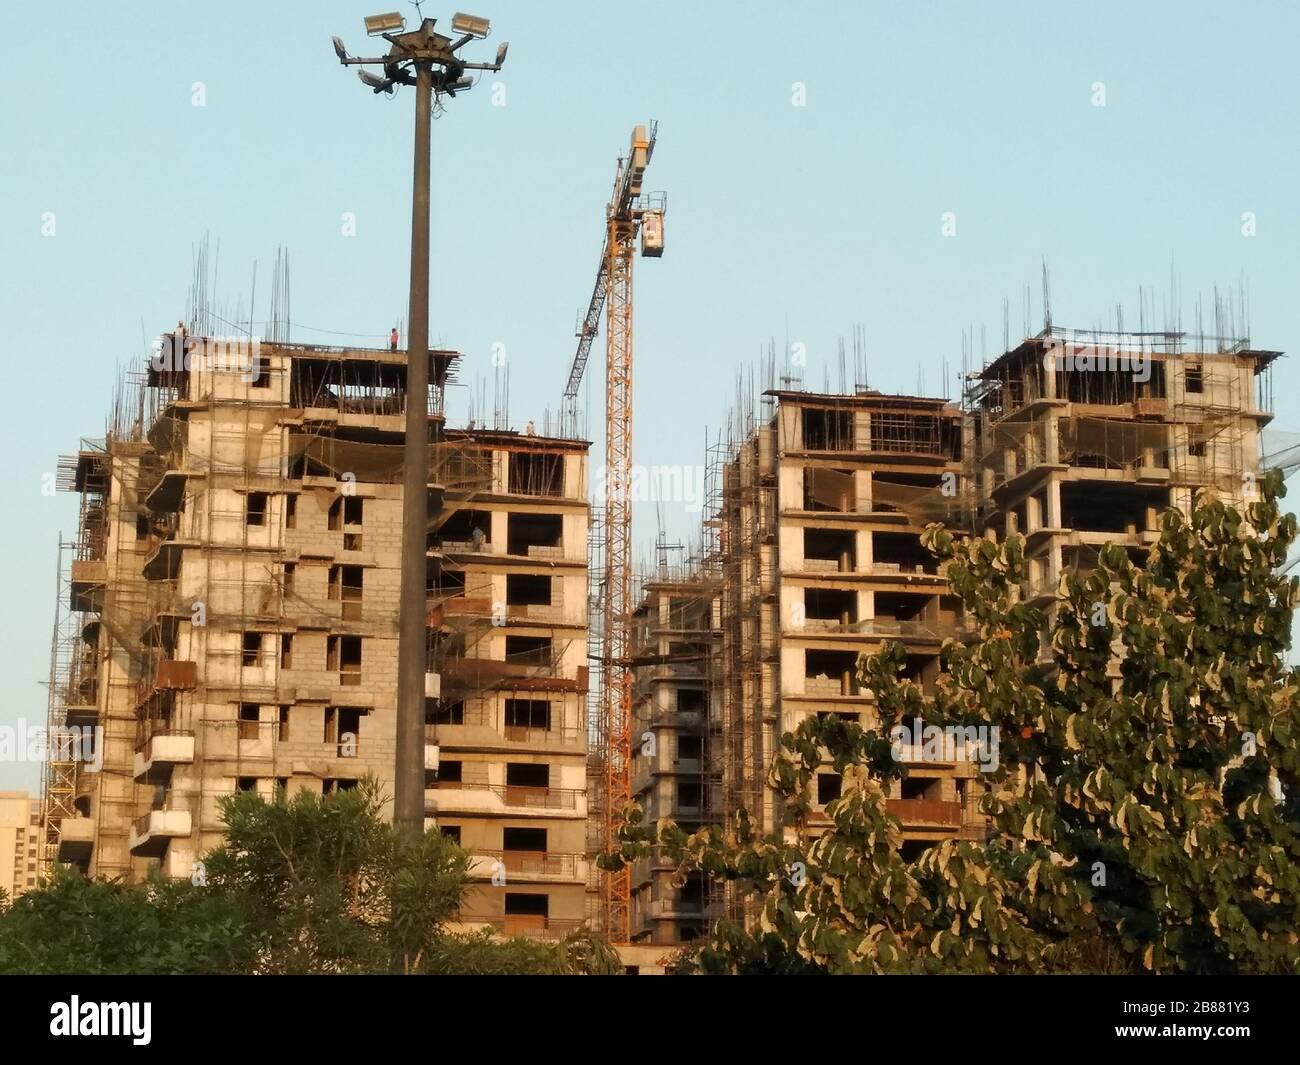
(422, 46)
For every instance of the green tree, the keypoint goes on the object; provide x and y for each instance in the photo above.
(75, 925)
(312, 885)
(1146, 809)
(326, 886)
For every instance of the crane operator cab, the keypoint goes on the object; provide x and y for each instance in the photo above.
(652, 234)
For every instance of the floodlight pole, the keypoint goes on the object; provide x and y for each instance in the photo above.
(433, 58)
(412, 636)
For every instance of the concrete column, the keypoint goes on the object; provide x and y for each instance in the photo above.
(1054, 504)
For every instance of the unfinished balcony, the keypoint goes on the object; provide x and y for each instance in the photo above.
(169, 493)
(536, 722)
(829, 610)
(76, 839)
(684, 909)
(926, 814)
(89, 577)
(534, 926)
(530, 663)
(450, 793)
(540, 866)
(829, 490)
(525, 856)
(497, 799)
(81, 693)
(167, 676)
(358, 387)
(1100, 513)
(535, 536)
(160, 754)
(829, 550)
(164, 562)
(901, 553)
(465, 532)
(152, 833)
(830, 673)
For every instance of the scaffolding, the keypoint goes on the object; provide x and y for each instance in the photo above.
(676, 732)
(1101, 430)
(69, 685)
(183, 559)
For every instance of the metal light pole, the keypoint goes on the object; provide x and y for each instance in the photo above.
(428, 61)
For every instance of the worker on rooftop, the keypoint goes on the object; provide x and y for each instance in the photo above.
(392, 339)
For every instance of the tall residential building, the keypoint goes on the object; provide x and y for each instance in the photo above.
(822, 561)
(230, 614)
(1074, 454)
(228, 617)
(509, 607)
(677, 746)
(20, 842)
(1072, 439)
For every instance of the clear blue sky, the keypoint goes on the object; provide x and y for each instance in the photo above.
(782, 220)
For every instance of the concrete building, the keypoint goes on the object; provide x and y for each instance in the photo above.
(822, 561)
(509, 605)
(20, 842)
(228, 615)
(677, 740)
(1072, 439)
(231, 614)
(1079, 439)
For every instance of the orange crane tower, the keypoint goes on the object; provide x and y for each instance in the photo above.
(629, 213)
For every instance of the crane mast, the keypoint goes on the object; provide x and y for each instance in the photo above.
(627, 215)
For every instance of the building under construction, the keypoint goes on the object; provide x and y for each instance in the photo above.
(1079, 439)
(228, 618)
(228, 608)
(1071, 439)
(677, 732)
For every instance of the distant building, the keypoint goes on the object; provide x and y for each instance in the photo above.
(20, 842)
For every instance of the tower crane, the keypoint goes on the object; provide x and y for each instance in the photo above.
(629, 214)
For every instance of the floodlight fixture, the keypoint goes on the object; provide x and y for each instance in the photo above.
(470, 24)
(377, 25)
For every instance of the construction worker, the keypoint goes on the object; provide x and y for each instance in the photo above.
(392, 339)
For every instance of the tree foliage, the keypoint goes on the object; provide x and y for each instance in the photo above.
(1145, 814)
(75, 925)
(311, 885)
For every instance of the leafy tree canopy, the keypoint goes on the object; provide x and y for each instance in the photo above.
(1145, 812)
(310, 885)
